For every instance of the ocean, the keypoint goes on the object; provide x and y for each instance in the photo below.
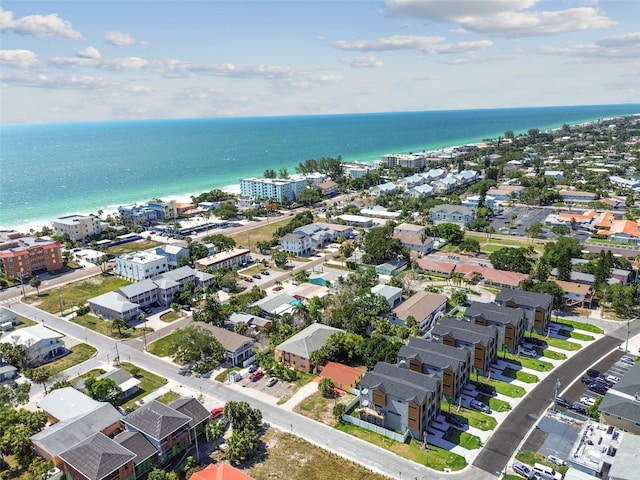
(48, 170)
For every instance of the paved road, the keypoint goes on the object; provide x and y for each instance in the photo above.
(506, 439)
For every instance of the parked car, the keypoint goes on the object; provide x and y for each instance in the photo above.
(257, 375)
(563, 402)
(578, 408)
(528, 352)
(256, 276)
(628, 360)
(485, 389)
(264, 272)
(593, 373)
(481, 407)
(586, 380)
(248, 279)
(536, 341)
(253, 368)
(598, 388)
(271, 381)
(522, 469)
(588, 401)
(278, 288)
(612, 379)
(454, 420)
(217, 412)
(556, 460)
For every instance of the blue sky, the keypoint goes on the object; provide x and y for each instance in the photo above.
(115, 60)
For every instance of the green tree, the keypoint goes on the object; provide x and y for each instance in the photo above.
(195, 344)
(283, 173)
(159, 474)
(210, 311)
(280, 258)
(326, 387)
(242, 416)
(594, 410)
(380, 246)
(451, 232)
(263, 246)
(241, 444)
(339, 410)
(269, 173)
(458, 297)
(13, 395)
(215, 429)
(559, 254)
(118, 324)
(535, 229)
(41, 376)
(513, 259)
(104, 390)
(197, 251)
(301, 276)
(309, 196)
(221, 242)
(35, 282)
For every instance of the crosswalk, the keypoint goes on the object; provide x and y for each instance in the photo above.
(10, 301)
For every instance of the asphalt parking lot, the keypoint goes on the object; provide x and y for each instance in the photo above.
(526, 216)
(279, 390)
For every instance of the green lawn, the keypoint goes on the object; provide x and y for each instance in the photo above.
(162, 346)
(171, 316)
(559, 343)
(80, 353)
(168, 397)
(464, 439)
(76, 293)
(552, 354)
(495, 404)
(520, 375)
(587, 327)
(530, 363)
(504, 388)
(474, 418)
(576, 335)
(149, 382)
(104, 327)
(434, 457)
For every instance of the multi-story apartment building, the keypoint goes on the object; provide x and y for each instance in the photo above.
(140, 214)
(536, 306)
(227, 259)
(406, 160)
(278, 189)
(78, 227)
(166, 210)
(140, 265)
(400, 399)
(510, 322)
(23, 256)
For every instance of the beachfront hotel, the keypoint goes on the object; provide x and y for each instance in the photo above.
(78, 227)
(23, 256)
(278, 189)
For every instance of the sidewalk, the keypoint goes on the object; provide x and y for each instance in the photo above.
(302, 393)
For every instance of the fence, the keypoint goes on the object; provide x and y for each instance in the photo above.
(370, 426)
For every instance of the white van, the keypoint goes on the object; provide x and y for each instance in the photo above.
(546, 473)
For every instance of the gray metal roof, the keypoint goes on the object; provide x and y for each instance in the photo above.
(231, 341)
(308, 340)
(387, 291)
(431, 359)
(271, 303)
(465, 331)
(494, 313)
(193, 408)
(113, 301)
(522, 297)
(400, 382)
(156, 420)
(97, 457)
(620, 400)
(137, 444)
(178, 275)
(138, 288)
(457, 353)
(65, 403)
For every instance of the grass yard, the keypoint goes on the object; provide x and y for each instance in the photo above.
(171, 316)
(320, 408)
(136, 246)
(587, 327)
(80, 353)
(530, 363)
(291, 457)
(163, 346)
(495, 404)
(559, 343)
(77, 293)
(552, 354)
(263, 233)
(434, 457)
(576, 335)
(24, 322)
(464, 439)
(520, 375)
(473, 417)
(505, 388)
(104, 327)
(302, 380)
(149, 382)
(168, 397)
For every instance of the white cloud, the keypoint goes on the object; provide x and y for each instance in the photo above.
(137, 89)
(367, 61)
(19, 58)
(89, 52)
(626, 40)
(38, 25)
(121, 39)
(84, 59)
(509, 18)
(425, 44)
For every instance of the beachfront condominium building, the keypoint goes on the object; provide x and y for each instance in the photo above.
(24, 256)
(78, 227)
(140, 214)
(281, 190)
(227, 259)
(165, 210)
(409, 160)
(137, 266)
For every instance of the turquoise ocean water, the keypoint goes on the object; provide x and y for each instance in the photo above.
(47, 170)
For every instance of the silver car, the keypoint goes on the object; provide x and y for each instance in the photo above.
(522, 469)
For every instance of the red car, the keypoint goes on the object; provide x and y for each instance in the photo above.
(257, 375)
(217, 412)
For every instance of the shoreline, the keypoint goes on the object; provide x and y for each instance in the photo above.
(113, 204)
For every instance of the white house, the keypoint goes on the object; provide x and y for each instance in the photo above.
(298, 244)
(43, 344)
(140, 265)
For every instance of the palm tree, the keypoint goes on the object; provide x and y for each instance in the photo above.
(118, 323)
(35, 282)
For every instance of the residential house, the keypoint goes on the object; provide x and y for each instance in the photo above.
(296, 351)
(393, 295)
(254, 322)
(143, 293)
(452, 365)
(228, 259)
(137, 266)
(139, 214)
(383, 189)
(112, 305)
(378, 211)
(474, 200)
(425, 307)
(428, 265)
(329, 188)
(199, 415)
(467, 177)
(73, 417)
(304, 292)
(23, 256)
(7, 372)
(356, 220)
(575, 293)
(577, 196)
(123, 379)
(358, 170)
(297, 244)
(98, 458)
(392, 266)
(411, 181)
(425, 190)
(399, 399)
(165, 428)
(506, 193)
(491, 276)
(78, 227)
(537, 306)
(620, 406)
(626, 231)
(238, 348)
(510, 322)
(43, 344)
(446, 184)
(276, 304)
(344, 377)
(457, 214)
(420, 244)
(146, 456)
(480, 340)
(557, 175)
(175, 254)
(220, 471)
(434, 174)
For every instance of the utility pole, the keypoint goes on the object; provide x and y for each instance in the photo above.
(21, 276)
(626, 348)
(117, 359)
(556, 394)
